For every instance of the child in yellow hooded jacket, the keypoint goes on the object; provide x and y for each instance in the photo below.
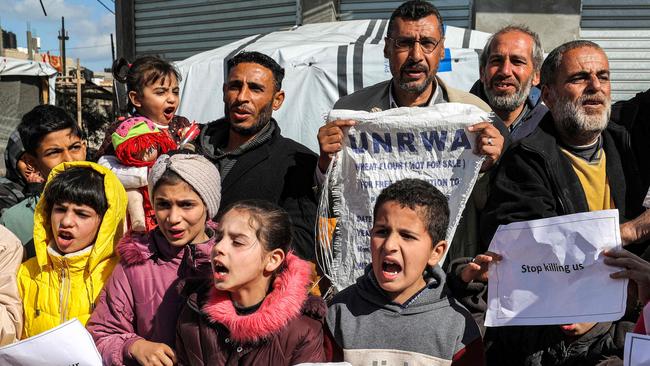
(77, 223)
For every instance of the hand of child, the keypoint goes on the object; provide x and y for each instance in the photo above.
(477, 269)
(152, 353)
(635, 269)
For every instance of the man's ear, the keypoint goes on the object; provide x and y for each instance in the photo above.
(278, 99)
(536, 79)
(275, 259)
(386, 39)
(547, 96)
(135, 99)
(441, 45)
(438, 251)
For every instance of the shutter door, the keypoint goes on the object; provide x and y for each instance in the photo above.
(622, 29)
(177, 29)
(454, 12)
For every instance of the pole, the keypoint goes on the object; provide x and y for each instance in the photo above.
(78, 79)
(63, 36)
(30, 46)
(112, 48)
(1, 44)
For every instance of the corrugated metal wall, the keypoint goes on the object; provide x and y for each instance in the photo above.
(622, 28)
(177, 29)
(454, 12)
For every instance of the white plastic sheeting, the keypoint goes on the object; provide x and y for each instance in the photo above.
(15, 67)
(322, 62)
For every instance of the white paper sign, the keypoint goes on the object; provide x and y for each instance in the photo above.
(430, 143)
(69, 344)
(552, 271)
(637, 350)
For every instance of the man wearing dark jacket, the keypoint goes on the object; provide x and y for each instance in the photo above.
(255, 161)
(574, 162)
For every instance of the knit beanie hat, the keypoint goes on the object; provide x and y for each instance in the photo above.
(197, 171)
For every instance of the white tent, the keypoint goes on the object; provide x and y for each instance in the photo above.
(322, 62)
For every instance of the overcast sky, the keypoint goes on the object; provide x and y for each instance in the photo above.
(87, 22)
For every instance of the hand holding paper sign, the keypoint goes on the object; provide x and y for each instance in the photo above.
(552, 271)
(636, 269)
(477, 269)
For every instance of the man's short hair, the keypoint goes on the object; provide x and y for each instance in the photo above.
(415, 10)
(537, 52)
(554, 59)
(43, 120)
(417, 194)
(260, 59)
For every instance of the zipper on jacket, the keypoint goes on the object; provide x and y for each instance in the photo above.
(64, 292)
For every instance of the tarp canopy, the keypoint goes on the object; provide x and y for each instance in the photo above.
(21, 82)
(322, 63)
(15, 67)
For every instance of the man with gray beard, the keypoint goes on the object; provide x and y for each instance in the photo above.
(509, 74)
(574, 161)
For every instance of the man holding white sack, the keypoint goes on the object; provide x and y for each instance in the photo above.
(414, 47)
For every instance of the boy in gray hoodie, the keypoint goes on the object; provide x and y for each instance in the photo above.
(400, 311)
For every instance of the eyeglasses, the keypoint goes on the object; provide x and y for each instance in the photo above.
(428, 45)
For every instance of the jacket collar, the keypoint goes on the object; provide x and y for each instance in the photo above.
(435, 291)
(216, 133)
(74, 262)
(283, 304)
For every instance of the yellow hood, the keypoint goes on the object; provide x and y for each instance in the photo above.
(110, 231)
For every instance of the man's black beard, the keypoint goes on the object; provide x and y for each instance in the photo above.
(265, 117)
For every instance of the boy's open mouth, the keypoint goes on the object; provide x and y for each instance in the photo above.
(391, 267)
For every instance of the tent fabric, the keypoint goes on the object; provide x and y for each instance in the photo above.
(15, 67)
(322, 62)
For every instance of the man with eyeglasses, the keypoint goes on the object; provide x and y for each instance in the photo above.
(414, 46)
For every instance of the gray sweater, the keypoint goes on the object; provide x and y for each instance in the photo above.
(429, 329)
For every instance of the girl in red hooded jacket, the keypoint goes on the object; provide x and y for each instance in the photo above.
(257, 310)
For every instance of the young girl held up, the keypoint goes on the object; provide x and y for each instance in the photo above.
(152, 87)
(77, 223)
(134, 322)
(256, 310)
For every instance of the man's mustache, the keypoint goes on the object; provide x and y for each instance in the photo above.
(413, 66)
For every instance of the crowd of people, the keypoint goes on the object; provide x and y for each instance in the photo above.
(173, 248)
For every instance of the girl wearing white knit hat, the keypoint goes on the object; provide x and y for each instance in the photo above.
(135, 319)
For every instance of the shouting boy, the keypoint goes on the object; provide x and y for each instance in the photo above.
(400, 311)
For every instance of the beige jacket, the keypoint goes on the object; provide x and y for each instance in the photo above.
(11, 307)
